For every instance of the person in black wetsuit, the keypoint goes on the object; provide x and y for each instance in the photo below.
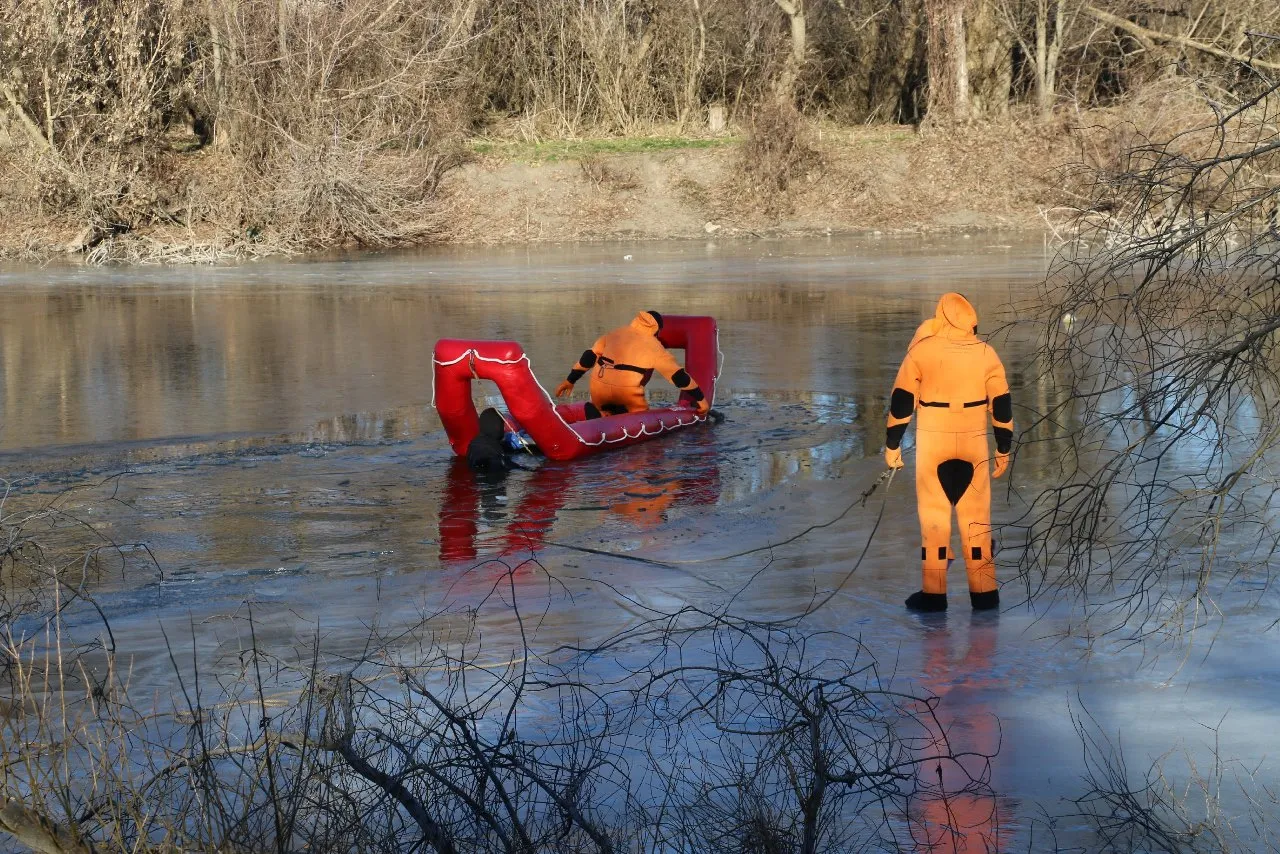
(487, 453)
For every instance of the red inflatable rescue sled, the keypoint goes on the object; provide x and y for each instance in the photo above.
(561, 431)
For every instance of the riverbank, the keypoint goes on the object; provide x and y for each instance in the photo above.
(838, 179)
(858, 179)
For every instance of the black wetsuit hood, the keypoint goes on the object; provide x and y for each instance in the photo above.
(486, 451)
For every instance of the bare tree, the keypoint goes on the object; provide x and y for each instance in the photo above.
(1160, 371)
(794, 10)
(1041, 40)
(948, 61)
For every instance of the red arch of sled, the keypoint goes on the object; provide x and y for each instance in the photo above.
(560, 430)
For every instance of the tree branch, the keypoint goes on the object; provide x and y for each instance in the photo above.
(37, 832)
(28, 123)
(1155, 35)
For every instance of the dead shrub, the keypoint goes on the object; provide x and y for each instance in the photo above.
(338, 118)
(1160, 313)
(606, 177)
(778, 151)
(1173, 125)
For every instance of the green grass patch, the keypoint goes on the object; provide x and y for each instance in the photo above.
(551, 151)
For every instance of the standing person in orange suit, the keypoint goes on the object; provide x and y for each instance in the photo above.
(622, 362)
(957, 384)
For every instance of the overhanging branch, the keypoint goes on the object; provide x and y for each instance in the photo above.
(28, 124)
(1157, 36)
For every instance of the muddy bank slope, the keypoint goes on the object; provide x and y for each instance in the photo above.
(846, 179)
(855, 179)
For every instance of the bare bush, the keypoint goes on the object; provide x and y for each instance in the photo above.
(1221, 807)
(326, 123)
(1159, 375)
(694, 730)
(777, 152)
(604, 176)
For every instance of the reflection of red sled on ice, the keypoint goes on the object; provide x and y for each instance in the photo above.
(476, 523)
(561, 431)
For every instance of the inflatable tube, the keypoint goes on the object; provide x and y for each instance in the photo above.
(562, 431)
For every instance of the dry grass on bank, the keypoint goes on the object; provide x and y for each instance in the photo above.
(809, 178)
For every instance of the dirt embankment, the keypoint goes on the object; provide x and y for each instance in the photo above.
(862, 179)
(850, 179)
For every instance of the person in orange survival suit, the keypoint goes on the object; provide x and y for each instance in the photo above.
(622, 362)
(955, 381)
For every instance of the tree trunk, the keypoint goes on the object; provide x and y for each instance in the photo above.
(693, 79)
(1047, 49)
(948, 61)
(282, 29)
(990, 52)
(799, 44)
(899, 77)
(1050, 91)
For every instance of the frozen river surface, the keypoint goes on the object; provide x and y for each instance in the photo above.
(266, 432)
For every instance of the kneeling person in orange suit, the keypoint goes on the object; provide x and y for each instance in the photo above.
(956, 382)
(622, 362)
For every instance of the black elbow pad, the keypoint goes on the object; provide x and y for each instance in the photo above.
(695, 393)
(588, 358)
(893, 436)
(1004, 439)
(1002, 408)
(902, 403)
(681, 379)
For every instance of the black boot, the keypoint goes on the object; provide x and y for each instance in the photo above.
(985, 601)
(927, 602)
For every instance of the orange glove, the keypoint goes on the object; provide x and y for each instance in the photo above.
(893, 458)
(702, 406)
(564, 388)
(1002, 464)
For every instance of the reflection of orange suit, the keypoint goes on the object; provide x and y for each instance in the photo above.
(956, 382)
(623, 361)
(959, 812)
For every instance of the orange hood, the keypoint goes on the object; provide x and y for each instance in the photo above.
(955, 318)
(646, 323)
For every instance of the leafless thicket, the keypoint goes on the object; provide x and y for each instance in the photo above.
(242, 126)
(693, 730)
(332, 119)
(1158, 386)
(1175, 804)
(779, 151)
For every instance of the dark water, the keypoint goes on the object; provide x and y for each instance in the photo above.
(266, 432)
